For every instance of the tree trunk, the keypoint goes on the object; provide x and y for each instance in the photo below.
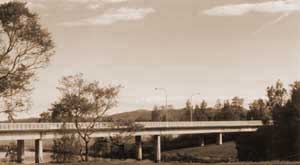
(86, 151)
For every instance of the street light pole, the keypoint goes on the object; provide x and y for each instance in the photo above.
(166, 100)
(191, 99)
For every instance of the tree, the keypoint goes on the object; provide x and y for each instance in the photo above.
(156, 114)
(203, 105)
(189, 110)
(281, 141)
(119, 140)
(14, 103)
(259, 111)
(84, 103)
(255, 146)
(277, 95)
(228, 112)
(65, 148)
(286, 133)
(201, 113)
(218, 105)
(25, 46)
(45, 117)
(237, 102)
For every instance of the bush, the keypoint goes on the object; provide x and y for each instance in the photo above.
(11, 153)
(114, 147)
(65, 148)
(101, 147)
(255, 146)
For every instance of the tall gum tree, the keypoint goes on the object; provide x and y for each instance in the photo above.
(25, 47)
(84, 104)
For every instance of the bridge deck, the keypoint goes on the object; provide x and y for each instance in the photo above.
(146, 125)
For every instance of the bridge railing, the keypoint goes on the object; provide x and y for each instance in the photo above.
(202, 124)
(107, 125)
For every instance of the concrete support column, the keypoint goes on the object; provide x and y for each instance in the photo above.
(139, 150)
(38, 151)
(202, 141)
(157, 148)
(220, 139)
(20, 151)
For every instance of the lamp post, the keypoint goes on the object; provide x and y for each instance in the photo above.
(166, 99)
(191, 99)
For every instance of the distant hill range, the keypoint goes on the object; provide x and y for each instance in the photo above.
(137, 115)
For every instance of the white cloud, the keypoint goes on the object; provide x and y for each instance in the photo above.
(114, 1)
(278, 6)
(94, 4)
(273, 22)
(112, 16)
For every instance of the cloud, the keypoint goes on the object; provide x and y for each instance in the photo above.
(94, 4)
(273, 22)
(113, 16)
(114, 1)
(279, 6)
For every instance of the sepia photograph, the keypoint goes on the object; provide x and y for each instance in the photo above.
(109, 82)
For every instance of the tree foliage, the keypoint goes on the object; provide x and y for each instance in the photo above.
(25, 46)
(83, 103)
(259, 111)
(281, 141)
(232, 110)
(65, 148)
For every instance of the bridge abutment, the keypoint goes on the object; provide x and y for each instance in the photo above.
(220, 139)
(38, 151)
(157, 148)
(139, 150)
(20, 151)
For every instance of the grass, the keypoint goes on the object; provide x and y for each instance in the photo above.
(209, 152)
(220, 151)
(145, 162)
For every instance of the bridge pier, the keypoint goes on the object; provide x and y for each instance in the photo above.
(157, 148)
(38, 151)
(139, 150)
(20, 151)
(220, 139)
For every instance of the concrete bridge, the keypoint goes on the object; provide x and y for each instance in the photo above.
(40, 131)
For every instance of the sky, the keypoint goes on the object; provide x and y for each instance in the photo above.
(217, 48)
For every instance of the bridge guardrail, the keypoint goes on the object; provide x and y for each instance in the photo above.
(107, 125)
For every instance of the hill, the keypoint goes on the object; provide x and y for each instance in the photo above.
(138, 115)
(146, 115)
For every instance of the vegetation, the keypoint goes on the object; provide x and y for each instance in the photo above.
(65, 148)
(83, 103)
(11, 152)
(281, 141)
(25, 47)
(206, 154)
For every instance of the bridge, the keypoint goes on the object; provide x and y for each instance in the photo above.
(41, 131)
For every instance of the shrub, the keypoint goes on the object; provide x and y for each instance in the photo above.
(255, 146)
(65, 148)
(11, 152)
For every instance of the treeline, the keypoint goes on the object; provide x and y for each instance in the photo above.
(282, 140)
(228, 110)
